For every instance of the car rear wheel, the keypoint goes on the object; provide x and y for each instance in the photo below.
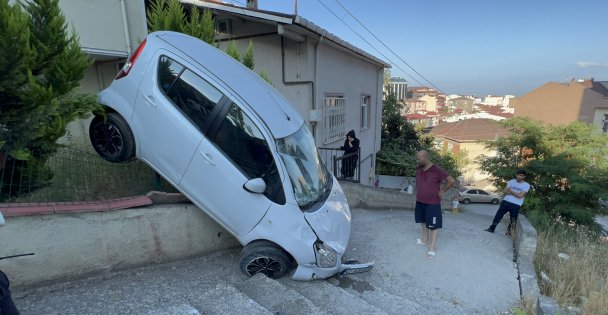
(466, 201)
(264, 258)
(112, 138)
(495, 201)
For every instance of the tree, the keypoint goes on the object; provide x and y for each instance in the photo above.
(248, 59)
(41, 65)
(400, 140)
(233, 51)
(567, 166)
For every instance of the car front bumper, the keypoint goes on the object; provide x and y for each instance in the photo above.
(307, 272)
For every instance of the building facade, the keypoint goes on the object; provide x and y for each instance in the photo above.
(562, 103)
(398, 86)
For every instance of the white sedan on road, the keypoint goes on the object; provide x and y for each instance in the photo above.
(468, 195)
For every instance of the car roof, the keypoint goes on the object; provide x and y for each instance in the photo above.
(268, 103)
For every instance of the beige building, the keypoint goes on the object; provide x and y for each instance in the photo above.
(563, 103)
(468, 136)
(430, 103)
(412, 106)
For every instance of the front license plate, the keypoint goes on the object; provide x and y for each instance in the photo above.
(356, 270)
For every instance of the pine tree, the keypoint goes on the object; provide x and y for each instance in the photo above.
(44, 65)
(233, 51)
(248, 59)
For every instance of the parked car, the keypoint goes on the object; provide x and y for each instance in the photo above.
(468, 195)
(235, 147)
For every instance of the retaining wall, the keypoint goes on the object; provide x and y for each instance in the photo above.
(524, 243)
(73, 244)
(360, 196)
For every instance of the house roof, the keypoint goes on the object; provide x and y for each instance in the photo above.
(416, 116)
(470, 130)
(290, 19)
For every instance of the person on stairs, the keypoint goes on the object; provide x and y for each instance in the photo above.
(515, 191)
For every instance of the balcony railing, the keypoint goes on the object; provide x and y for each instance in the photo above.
(346, 167)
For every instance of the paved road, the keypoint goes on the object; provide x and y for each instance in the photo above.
(473, 269)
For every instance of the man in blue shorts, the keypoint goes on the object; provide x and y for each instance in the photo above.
(428, 199)
(515, 191)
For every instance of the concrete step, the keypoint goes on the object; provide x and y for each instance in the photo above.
(276, 297)
(182, 309)
(432, 303)
(226, 299)
(330, 298)
(389, 303)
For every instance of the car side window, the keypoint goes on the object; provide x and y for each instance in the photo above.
(472, 192)
(194, 96)
(241, 140)
(481, 192)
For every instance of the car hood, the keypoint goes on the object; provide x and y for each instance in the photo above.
(331, 222)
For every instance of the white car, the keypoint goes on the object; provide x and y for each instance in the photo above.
(468, 195)
(235, 147)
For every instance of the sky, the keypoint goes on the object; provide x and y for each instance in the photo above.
(476, 47)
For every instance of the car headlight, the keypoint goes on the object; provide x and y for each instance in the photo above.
(327, 257)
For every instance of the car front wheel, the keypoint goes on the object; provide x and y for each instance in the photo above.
(466, 201)
(495, 201)
(112, 138)
(264, 258)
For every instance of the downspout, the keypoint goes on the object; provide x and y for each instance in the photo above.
(378, 99)
(126, 25)
(311, 83)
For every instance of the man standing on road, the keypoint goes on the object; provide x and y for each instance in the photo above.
(515, 191)
(428, 199)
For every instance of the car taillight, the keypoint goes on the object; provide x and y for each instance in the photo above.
(129, 65)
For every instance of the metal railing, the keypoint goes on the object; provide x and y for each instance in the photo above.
(346, 167)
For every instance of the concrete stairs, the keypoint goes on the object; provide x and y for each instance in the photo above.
(215, 285)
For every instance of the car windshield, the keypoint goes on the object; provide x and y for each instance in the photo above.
(310, 179)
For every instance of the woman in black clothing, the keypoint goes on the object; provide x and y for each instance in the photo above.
(351, 145)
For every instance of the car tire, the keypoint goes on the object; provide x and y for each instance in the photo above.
(266, 258)
(112, 138)
(466, 201)
(495, 201)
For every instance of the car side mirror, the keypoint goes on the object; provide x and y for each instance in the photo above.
(256, 186)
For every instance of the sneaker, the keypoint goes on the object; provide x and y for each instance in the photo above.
(491, 230)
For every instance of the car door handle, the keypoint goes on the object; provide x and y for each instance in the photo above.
(208, 157)
(150, 100)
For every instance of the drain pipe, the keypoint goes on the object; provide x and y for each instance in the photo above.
(125, 24)
(311, 83)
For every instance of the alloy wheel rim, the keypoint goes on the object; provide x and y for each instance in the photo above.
(108, 139)
(266, 265)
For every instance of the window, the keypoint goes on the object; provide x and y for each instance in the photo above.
(481, 192)
(241, 140)
(450, 146)
(365, 111)
(194, 96)
(472, 192)
(334, 119)
(224, 26)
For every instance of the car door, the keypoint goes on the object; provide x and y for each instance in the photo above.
(484, 196)
(172, 111)
(472, 195)
(235, 152)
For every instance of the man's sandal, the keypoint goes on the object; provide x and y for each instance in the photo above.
(430, 254)
(419, 242)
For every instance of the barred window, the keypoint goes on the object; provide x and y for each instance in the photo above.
(365, 111)
(334, 119)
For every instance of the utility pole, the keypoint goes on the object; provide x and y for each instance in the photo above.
(296, 7)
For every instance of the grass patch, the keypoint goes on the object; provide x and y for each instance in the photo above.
(580, 280)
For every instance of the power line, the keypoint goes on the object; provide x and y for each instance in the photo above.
(383, 44)
(370, 44)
